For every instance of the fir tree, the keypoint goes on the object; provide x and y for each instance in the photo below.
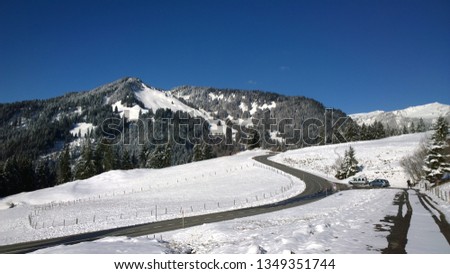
(349, 165)
(352, 132)
(377, 131)
(421, 126)
(197, 154)
(143, 156)
(44, 177)
(364, 135)
(3, 185)
(126, 160)
(405, 130)
(437, 161)
(412, 128)
(65, 171)
(86, 166)
(255, 141)
(161, 157)
(207, 152)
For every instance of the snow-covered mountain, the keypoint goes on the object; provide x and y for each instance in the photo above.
(405, 117)
(34, 133)
(149, 98)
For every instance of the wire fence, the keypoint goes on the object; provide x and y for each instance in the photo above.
(53, 215)
(440, 192)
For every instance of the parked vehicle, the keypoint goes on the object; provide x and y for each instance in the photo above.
(358, 181)
(379, 183)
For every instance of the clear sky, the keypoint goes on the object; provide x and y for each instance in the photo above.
(359, 56)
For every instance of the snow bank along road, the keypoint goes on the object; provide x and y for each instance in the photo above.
(421, 228)
(316, 188)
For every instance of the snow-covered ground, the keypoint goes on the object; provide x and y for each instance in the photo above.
(379, 158)
(347, 222)
(121, 198)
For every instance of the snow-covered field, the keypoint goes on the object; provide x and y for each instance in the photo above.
(379, 158)
(342, 223)
(121, 198)
(346, 223)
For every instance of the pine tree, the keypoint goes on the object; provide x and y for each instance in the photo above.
(44, 177)
(143, 156)
(412, 128)
(437, 161)
(352, 132)
(255, 141)
(161, 157)
(197, 154)
(3, 185)
(126, 160)
(207, 152)
(349, 165)
(377, 131)
(421, 126)
(86, 166)
(364, 135)
(405, 130)
(65, 171)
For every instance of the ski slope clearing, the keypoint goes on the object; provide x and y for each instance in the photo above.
(379, 158)
(156, 99)
(123, 198)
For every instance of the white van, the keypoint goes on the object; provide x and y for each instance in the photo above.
(358, 181)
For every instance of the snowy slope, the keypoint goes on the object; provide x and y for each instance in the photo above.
(429, 113)
(347, 222)
(155, 99)
(379, 158)
(121, 198)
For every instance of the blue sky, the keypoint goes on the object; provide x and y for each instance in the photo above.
(359, 55)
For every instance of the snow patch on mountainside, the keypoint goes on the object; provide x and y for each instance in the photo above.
(155, 99)
(82, 128)
(131, 113)
(215, 97)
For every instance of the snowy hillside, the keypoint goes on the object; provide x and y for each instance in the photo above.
(121, 198)
(429, 113)
(379, 158)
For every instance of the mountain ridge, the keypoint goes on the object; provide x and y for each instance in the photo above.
(407, 117)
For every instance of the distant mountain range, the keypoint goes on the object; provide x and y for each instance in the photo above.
(408, 117)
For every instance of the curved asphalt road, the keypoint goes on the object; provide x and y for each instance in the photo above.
(316, 188)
